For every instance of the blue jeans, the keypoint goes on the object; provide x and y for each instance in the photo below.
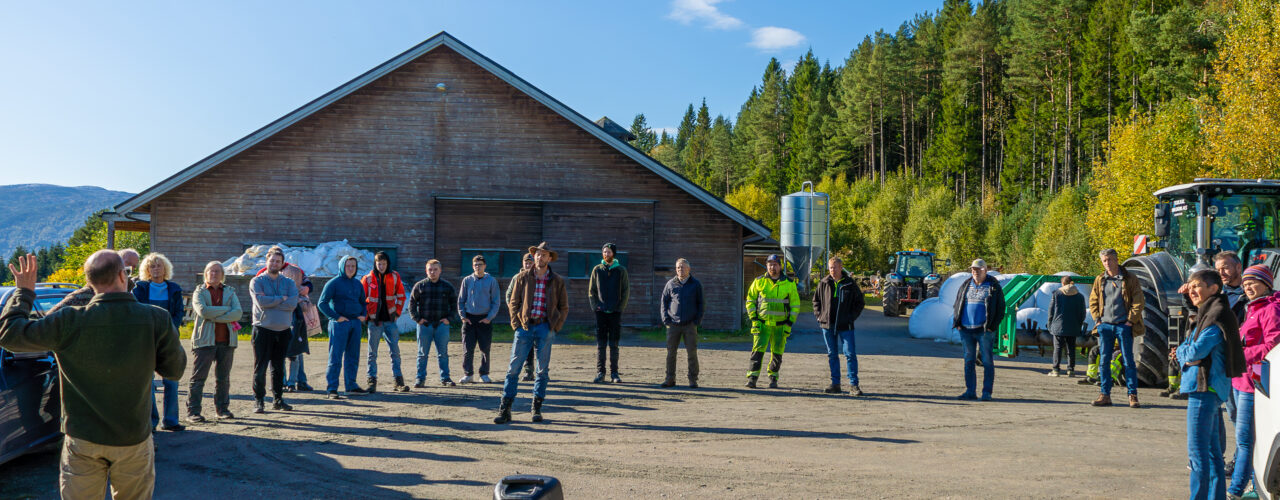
(841, 343)
(386, 330)
(296, 374)
(1204, 446)
(1107, 334)
(978, 342)
(537, 339)
(170, 403)
(438, 335)
(1243, 419)
(344, 349)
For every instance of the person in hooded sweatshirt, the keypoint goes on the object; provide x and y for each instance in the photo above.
(343, 301)
(1066, 322)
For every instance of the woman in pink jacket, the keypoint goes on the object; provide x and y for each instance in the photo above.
(1258, 334)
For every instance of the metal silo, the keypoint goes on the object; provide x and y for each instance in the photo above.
(805, 226)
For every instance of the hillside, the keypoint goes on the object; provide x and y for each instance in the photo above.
(39, 215)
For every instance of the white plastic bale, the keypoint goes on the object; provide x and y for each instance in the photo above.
(951, 286)
(405, 322)
(932, 319)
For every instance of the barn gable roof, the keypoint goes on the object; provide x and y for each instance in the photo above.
(441, 39)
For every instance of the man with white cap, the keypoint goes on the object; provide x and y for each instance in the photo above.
(979, 308)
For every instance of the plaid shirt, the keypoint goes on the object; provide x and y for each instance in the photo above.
(433, 301)
(539, 309)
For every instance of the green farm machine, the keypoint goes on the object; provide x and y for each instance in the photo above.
(912, 280)
(1193, 222)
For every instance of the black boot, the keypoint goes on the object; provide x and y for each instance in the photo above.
(373, 385)
(400, 387)
(833, 389)
(773, 382)
(751, 382)
(537, 409)
(504, 412)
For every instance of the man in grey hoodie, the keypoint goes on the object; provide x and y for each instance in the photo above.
(274, 299)
(477, 306)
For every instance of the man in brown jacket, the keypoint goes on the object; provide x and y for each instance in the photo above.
(1116, 304)
(538, 306)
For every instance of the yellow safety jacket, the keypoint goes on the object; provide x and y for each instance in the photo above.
(772, 302)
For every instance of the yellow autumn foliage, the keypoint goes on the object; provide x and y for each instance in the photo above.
(1242, 129)
(1146, 153)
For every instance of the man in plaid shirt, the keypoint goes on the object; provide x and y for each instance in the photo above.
(538, 307)
(431, 303)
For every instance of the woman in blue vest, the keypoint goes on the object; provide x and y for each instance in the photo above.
(155, 288)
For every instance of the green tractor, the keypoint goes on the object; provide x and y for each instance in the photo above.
(912, 280)
(1193, 222)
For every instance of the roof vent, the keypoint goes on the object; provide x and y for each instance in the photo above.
(612, 128)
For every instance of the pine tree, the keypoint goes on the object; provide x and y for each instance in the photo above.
(645, 138)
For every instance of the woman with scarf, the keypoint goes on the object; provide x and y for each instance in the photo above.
(1209, 359)
(1259, 332)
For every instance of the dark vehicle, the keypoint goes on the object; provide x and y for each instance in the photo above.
(30, 404)
(911, 281)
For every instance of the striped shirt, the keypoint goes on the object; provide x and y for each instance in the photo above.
(539, 309)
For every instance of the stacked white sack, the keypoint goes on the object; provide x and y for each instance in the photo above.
(323, 260)
(933, 318)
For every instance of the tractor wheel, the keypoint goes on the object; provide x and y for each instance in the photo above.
(890, 302)
(1153, 351)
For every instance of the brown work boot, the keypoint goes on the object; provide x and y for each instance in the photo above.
(1133, 401)
(1103, 400)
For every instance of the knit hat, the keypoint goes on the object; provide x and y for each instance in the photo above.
(612, 247)
(1261, 273)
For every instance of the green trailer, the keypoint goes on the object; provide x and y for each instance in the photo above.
(1017, 291)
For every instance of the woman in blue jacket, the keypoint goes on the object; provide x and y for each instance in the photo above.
(156, 289)
(1209, 358)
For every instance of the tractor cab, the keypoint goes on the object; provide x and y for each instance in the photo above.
(911, 281)
(1197, 220)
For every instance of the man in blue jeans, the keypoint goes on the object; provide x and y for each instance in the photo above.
(431, 303)
(979, 309)
(342, 301)
(837, 302)
(538, 307)
(1116, 304)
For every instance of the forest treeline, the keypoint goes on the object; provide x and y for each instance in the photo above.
(1027, 132)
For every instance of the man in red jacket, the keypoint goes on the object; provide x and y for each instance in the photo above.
(384, 299)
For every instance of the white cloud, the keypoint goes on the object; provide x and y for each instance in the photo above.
(688, 11)
(774, 38)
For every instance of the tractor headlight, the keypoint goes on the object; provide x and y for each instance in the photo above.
(894, 278)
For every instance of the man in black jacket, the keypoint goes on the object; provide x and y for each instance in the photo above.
(682, 310)
(979, 309)
(837, 302)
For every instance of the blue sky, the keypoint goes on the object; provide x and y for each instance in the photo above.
(123, 94)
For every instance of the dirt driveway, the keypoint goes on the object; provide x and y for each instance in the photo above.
(907, 438)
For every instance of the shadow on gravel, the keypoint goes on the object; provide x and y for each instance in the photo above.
(290, 465)
(738, 431)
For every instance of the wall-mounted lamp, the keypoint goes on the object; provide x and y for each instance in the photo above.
(441, 87)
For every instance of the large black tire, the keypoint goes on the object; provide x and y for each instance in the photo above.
(931, 291)
(1153, 351)
(890, 302)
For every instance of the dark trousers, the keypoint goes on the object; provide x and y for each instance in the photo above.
(674, 335)
(608, 331)
(268, 348)
(1064, 345)
(476, 333)
(222, 356)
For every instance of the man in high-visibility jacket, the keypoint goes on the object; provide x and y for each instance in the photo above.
(773, 305)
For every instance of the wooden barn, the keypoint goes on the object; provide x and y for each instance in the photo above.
(442, 153)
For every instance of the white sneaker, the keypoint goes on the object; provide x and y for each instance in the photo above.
(466, 380)
(485, 379)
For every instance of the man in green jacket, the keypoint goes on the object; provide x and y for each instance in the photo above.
(773, 305)
(106, 353)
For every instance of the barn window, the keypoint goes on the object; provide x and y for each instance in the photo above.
(501, 263)
(581, 263)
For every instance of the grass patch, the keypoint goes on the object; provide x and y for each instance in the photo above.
(873, 300)
(502, 332)
(660, 335)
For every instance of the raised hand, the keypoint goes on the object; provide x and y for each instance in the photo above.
(24, 276)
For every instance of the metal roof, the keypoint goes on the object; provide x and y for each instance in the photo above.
(445, 39)
(1240, 185)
